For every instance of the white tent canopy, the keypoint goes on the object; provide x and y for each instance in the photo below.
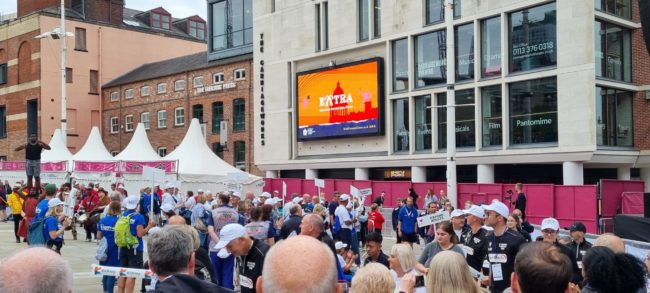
(59, 152)
(139, 148)
(94, 149)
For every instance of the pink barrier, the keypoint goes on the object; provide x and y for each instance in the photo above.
(632, 203)
(611, 194)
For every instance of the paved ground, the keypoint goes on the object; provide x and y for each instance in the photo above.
(81, 255)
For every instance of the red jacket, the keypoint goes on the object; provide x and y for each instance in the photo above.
(375, 220)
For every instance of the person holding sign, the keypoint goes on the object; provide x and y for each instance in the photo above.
(407, 222)
(33, 149)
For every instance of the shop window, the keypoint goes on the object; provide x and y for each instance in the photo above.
(401, 125)
(423, 129)
(430, 59)
(465, 120)
(613, 51)
(533, 41)
(491, 114)
(464, 52)
(614, 122)
(491, 47)
(533, 111)
(400, 65)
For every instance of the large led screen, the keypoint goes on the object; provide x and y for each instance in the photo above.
(344, 101)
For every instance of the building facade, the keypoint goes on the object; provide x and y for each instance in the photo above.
(546, 91)
(166, 95)
(109, 40)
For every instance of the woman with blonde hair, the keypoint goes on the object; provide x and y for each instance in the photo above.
(402, 264)
(449, 273)
(373, 278)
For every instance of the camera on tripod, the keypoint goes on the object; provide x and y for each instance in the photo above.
(509, 197)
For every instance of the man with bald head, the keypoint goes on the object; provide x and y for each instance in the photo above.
(176, 220)
(35, 270)
(280, 274)
(610, 241)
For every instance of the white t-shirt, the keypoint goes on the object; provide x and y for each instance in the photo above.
(343, 215)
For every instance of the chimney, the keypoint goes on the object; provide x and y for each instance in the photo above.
(28, 6)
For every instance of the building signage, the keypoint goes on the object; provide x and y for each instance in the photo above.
(340, 102)
(397, 174)
(261, 81)
(216, 87)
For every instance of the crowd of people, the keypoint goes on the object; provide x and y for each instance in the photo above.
(228, 241)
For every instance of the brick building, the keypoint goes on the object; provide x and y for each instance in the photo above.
(109, 40)
(166, 95)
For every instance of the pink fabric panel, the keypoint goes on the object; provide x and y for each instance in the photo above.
(632, 203)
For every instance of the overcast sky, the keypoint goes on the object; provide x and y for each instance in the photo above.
(178, 8)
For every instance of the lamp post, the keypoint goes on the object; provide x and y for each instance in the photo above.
(451, 103)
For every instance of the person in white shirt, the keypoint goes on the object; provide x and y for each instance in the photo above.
(343, 221)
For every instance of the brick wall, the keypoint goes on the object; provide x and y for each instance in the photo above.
(641, 77)
(28, 6)
(171, 136)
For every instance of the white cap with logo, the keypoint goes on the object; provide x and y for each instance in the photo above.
(476, 211)
(498, 207)
(457, 213)
(229, 233)
(550, 223)
(131, 202)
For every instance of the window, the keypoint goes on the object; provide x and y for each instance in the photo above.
(318, 27)
(614, 126)
(94, 78)
(217, 149)
(240, 74)
(533, 111)
(622, 8)
(128, 123)
(80, 39)
(162, 119)
(376, 19)
(197, 30)
(162, 88)
(464, 52)
(162, 151)
(532, 38)
(145, 91)
(197, 81)
(435, 10)
(325, 20)
(613, 51)
(491, 114)
(128, 94)
(144, 119)
(3, 121)
(491, 47)
(160, 21)
(197, 112)
(179, 85)
(400, 65)
(68, 75)
(217, 117)
(115, 96)
(363, 18)
(217, 78)
(232, 24)
(240, 155)
(430, 59)
(423, 123)
(179, 117)
(3, 73)
(465, 126)
(401, 125)
(238, 115)
(115, 124)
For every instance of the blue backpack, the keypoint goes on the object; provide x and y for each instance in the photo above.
(336, 227)
(36, 232)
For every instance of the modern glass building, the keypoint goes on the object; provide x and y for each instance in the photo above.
(547, 91)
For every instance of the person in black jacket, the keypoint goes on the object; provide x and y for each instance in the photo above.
(578, 245)
(395, 215)
(520, 202)
(291, 226)
(171, 257)
(550, 230)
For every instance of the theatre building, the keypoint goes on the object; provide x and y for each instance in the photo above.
(546, 91)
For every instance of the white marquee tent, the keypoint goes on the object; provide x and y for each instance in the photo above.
(94, 151)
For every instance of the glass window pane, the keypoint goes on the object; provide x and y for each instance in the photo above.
(622, 8)
(491, 113)
(435, 11)
(614, 117)
(423, 123)
(237, 15)
(491, 47)
(533, 38)
(613, 51)
(465, 52)
(219, 43)
(430, 59)
(401, 125)
(400, 65)
(376, 21)
(533, 111)
(465, 126)
(248, 14)
(624, 134)
(219, 18)
(239, 112)
(217, 116)
(363, 19)
(237, 39)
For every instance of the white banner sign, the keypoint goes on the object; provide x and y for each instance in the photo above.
(319, 183)
(99, 271)
(154, 174)
(365, 192)
(354, 191)
(433, 219)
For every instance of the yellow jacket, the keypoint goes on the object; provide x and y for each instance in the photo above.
(16, 203)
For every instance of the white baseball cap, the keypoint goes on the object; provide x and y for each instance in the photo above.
(265, 194)
(297, 200)
(476, 211)
(131, 202)
(272, 201)
(498, 207)
(237, 194)
(54, 202)
(166, 207)
(169, 186)
(550, 223)
(344, 197)
(199, 190)
(229, 233)
(457, 213)
(339, 245)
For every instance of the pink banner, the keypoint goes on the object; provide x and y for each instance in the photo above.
(80, 166)
(632, 203)
(13, 165)
(136, 167)
(54, 167)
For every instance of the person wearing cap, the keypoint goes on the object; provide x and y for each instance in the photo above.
(475, 240)
(503, 246)
(171, 196)
(54, 225)
(167, 211)
(407, 222)
(550, 230)
(343, 221)
(458, 221)
(222, 216)
(250, 254)
(235, 198)
(578, 245)
(291, 226)
(132, 257)
(15, 201)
